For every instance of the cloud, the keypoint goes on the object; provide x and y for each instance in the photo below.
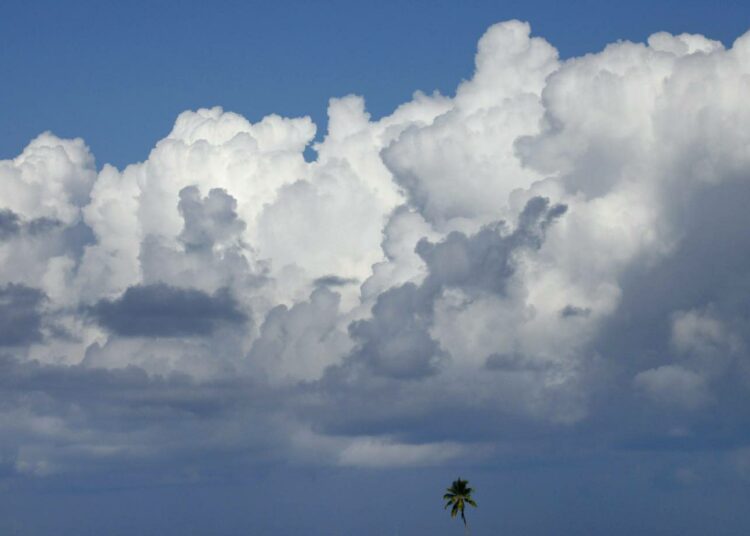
(12, 226)
(20, 315)
(674, 385)
(377, 452)
(298, 343)
(208, 221)
(160, 310)
(397, 340)
(77, 419)
(334, 281)
(9, 224)
(450, 167)
(572, 311)
(556, 254)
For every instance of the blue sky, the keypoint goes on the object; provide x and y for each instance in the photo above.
(536, 279)
(117, 74)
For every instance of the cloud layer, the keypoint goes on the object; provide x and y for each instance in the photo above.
(558, 249)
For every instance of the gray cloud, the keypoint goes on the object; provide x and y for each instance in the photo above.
(484, 261)
(160, 310)
(9, 224)
(127, 423)
(298, 343)
(20, 315)
(208, 220)
(334, 281)
(396, 342)
(571, 311)
(41, 226)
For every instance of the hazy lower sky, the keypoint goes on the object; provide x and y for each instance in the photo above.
(293, 269)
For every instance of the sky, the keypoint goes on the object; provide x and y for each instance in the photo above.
(294, 268)
(118, 73)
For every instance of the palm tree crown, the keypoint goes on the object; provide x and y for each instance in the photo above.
(458, 496)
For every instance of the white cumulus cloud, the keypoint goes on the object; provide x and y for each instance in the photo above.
(557, 240)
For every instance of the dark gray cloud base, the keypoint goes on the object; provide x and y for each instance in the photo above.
(20, 315)
(160, 310)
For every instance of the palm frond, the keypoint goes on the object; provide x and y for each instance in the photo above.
(458, 495)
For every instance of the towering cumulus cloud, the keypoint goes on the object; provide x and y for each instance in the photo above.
(560, 246)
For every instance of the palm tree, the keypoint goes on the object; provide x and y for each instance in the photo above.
(458, 496)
